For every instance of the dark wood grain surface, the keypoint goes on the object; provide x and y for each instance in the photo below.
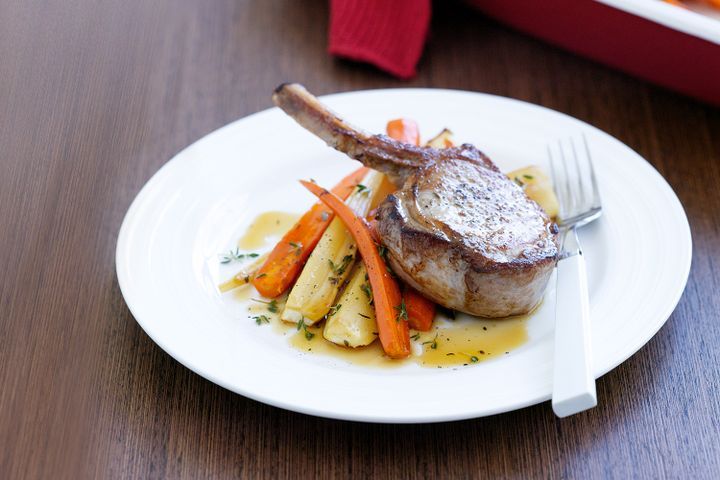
(96, 95)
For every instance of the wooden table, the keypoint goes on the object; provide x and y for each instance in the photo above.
(96, 96)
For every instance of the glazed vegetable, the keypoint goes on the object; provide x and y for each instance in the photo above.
(443, 139)
(538, 187)
(420, 310)
(390, 310)
(331, 262)
(351, 321)
(404, 130)
(290, 254)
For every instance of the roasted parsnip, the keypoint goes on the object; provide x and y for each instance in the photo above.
(443, 139)
(351, 321)
(332, 260)
(538, 187)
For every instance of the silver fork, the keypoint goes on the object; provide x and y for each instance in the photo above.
(577, 190)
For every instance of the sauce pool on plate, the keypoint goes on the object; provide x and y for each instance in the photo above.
(266, 226)
(450, 343)
(457, 342)
(463, 341)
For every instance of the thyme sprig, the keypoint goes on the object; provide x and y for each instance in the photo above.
(333, 310)
(260, 319)
(296, 247)
(339, 268)
(433, 343)
(402, 311)
(272, 304)
(365, 287)
(236, 256)
(301, 325)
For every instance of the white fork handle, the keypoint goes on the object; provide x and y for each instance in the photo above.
(573, 383)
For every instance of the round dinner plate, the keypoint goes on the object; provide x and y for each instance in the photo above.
(198, 205)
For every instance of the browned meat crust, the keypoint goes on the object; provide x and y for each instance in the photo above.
(458, 230)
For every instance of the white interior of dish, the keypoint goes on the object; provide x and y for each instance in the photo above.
(703, 23)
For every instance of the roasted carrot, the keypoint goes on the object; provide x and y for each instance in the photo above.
(404, 130)
(287, 258)
(390, 310)
(420, 310)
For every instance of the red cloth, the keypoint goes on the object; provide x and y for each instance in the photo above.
(390, 34)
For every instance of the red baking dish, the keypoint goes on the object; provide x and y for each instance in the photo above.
(665, 44)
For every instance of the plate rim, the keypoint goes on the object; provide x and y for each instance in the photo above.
(374, 418)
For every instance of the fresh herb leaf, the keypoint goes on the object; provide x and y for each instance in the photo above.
(433, 343)
(416, 337)
(364, 316)
(529, 177)
(260, 319)
(333, 310)
(231, 256)
(519, 182)
(339, 269)
(302, 326)
(365, 287)
(297, 247)
(347, 344)
(402, 311)
(473, 359)
(382, 251)
(261, 275)
(235, 256)
(272, 304)
(361, 188)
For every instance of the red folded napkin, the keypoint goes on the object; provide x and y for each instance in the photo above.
(390, 34)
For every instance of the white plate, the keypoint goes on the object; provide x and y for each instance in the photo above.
(199, 203)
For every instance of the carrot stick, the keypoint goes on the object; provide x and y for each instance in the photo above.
(404, 130)
(390, 311)
(290, 254)
(420, 310)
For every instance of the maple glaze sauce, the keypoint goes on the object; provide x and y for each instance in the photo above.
(456, 342)
(460, 342)
(266, 227)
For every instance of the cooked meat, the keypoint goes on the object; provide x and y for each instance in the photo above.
(458, 230)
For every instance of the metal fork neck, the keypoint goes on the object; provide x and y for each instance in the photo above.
(570, 245)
